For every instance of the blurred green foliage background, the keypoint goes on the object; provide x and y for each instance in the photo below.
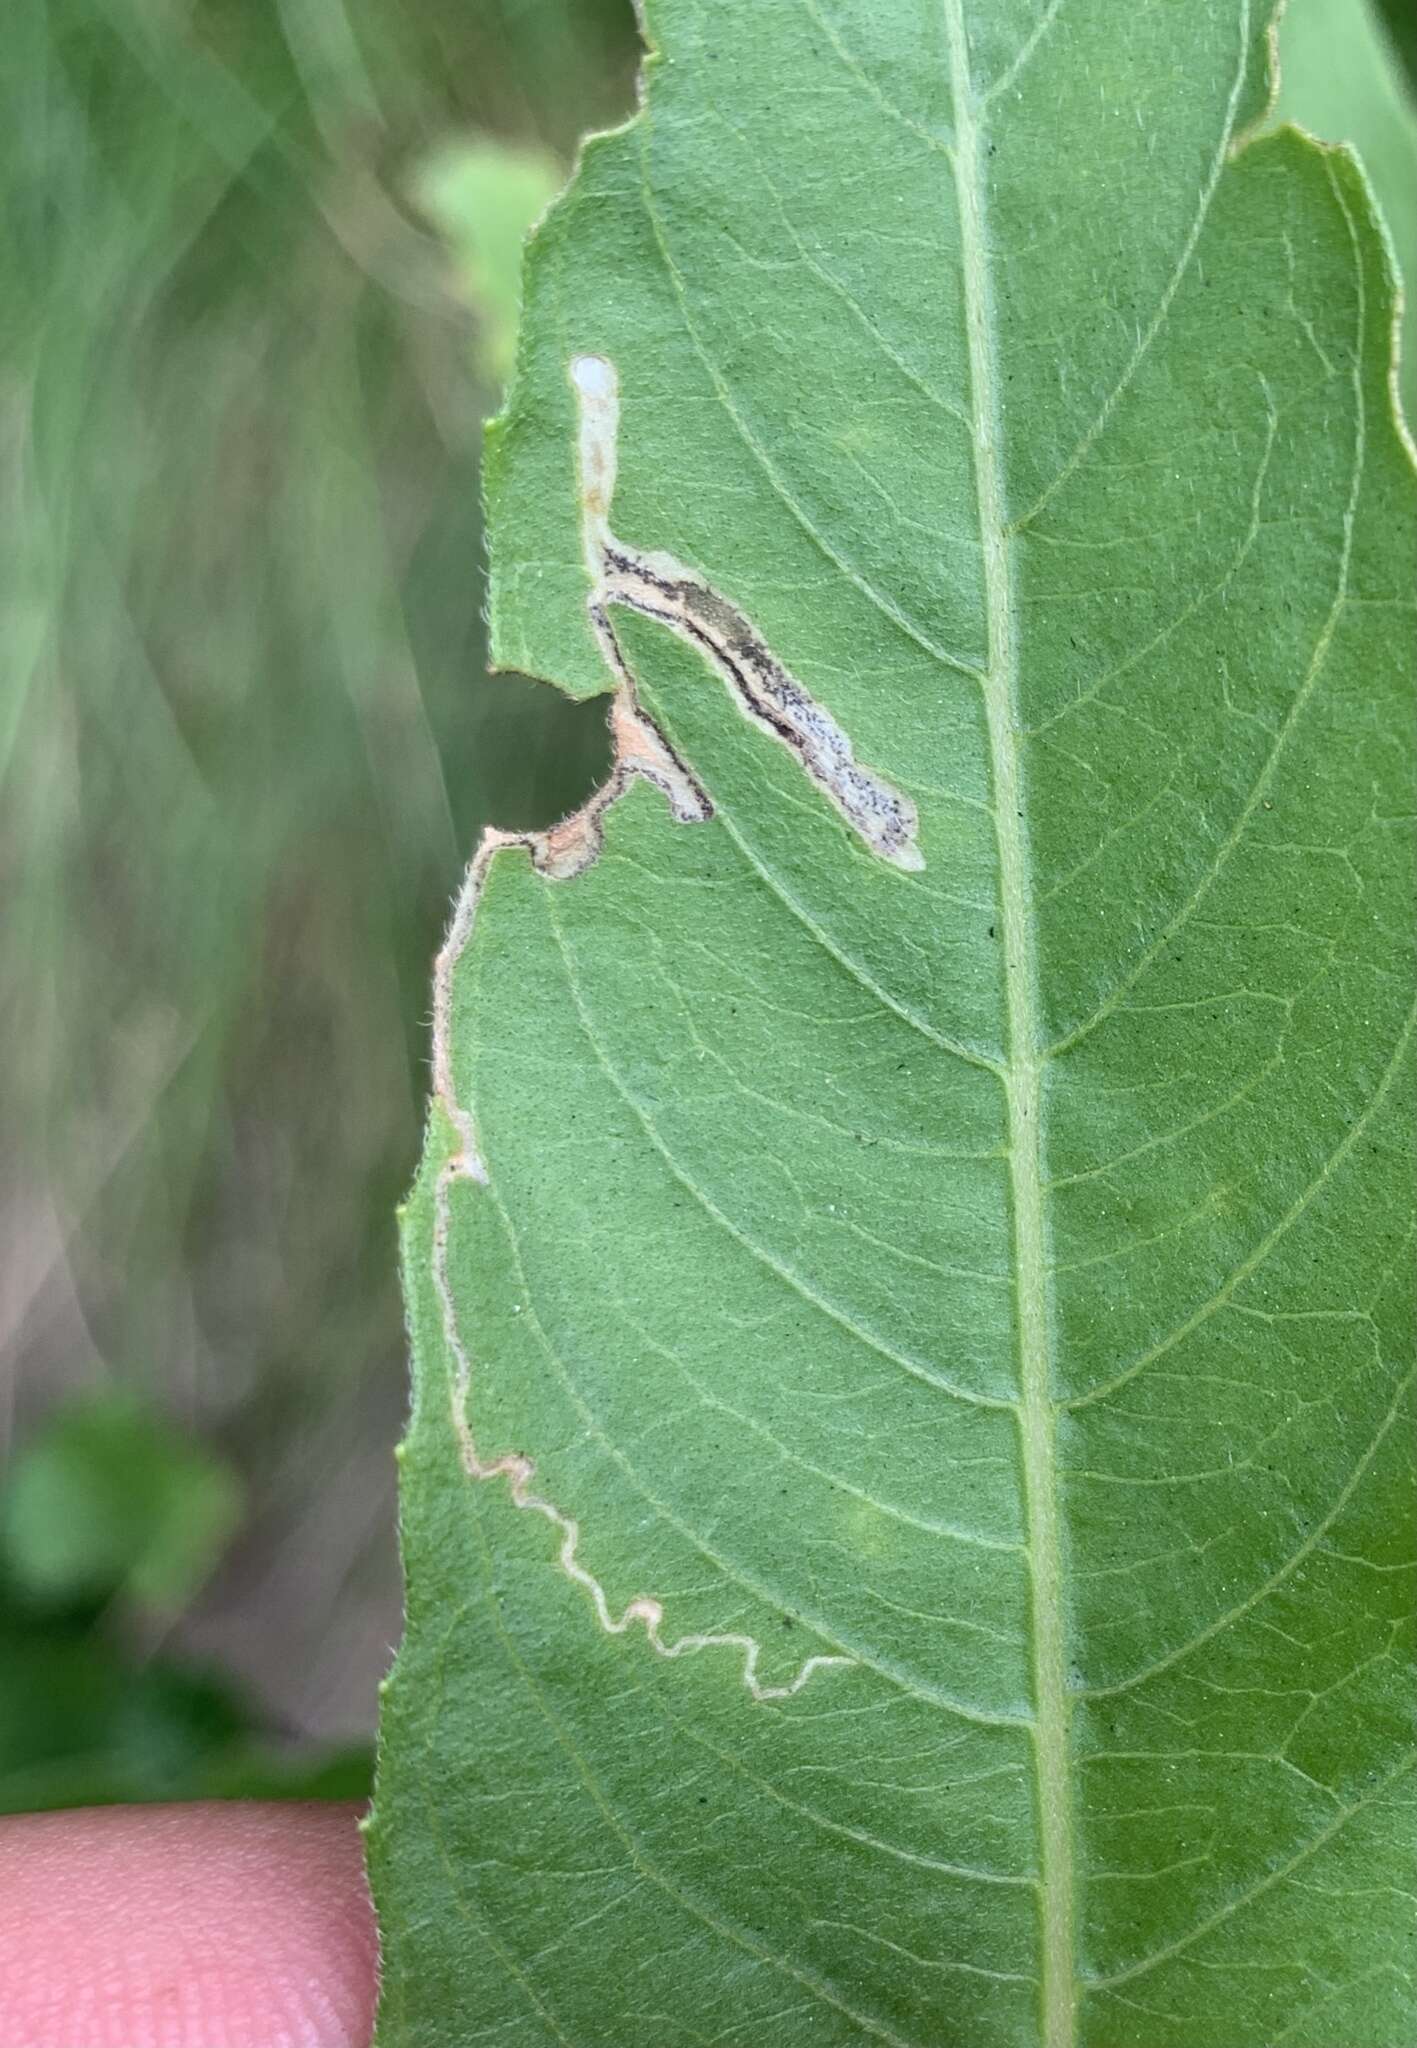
(258, 293)
(258, 265)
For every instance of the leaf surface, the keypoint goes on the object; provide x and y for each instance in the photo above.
(1342, 79)
(908, 1505)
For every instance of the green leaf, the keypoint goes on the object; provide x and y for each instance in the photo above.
(1340, 78)
(111, 1499)
(81, 1725)
(1400, 24)
(484, 196)
(87, 1720)
(908, 1504)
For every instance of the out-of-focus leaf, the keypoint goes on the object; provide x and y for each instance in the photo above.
(85, 1723)
(1339, 77)
(81, 1723)
(1400, 21)
(257, 1772)
(111, 1499)
(484, 196)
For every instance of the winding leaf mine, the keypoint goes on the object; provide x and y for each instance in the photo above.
(916, 1218)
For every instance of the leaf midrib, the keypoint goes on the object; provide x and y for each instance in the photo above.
(1023, 1074)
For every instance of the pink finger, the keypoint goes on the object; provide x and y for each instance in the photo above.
(215, 1926)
